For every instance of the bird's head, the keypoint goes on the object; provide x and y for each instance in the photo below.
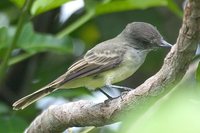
(144, 36)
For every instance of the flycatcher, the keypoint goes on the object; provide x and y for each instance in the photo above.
(107, 63)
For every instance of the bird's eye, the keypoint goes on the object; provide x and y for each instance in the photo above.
(145, 42)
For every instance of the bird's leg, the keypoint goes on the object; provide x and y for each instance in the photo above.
(125, 89)
(107, 95)
(119, 87)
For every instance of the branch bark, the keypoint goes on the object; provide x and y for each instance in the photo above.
(87, 113)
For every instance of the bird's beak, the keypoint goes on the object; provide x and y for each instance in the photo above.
(165, 44)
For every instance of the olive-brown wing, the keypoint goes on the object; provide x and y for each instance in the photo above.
(92, 63)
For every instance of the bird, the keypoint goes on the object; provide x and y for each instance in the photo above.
(107, 63)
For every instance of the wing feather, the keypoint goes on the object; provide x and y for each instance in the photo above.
(92, 63)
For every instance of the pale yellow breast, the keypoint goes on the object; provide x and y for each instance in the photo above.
(133, 59)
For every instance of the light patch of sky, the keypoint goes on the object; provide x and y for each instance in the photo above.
(69, 8)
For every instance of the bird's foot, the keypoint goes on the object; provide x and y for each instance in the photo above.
(125, 91)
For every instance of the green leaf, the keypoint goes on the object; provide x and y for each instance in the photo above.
(18, 3)
(40, 6)
(19, 58)
(12, 124)
(3, 37)
(34, 42)
(4, 40)
(174, 8)
(118, 5)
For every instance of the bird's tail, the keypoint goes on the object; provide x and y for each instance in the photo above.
(27, 100)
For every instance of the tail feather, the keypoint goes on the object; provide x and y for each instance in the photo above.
(27, 100)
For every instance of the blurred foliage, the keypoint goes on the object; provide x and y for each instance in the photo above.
(198, 74)
(176, 112)
(18, 3)
(12, 124)
(41, 54)
(96, 7)
(40, 6)
(3, 108)
(32, 43)
(118, 5)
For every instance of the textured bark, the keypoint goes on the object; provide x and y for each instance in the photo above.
(87, 113)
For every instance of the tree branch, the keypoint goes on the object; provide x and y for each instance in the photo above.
(87, 113)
